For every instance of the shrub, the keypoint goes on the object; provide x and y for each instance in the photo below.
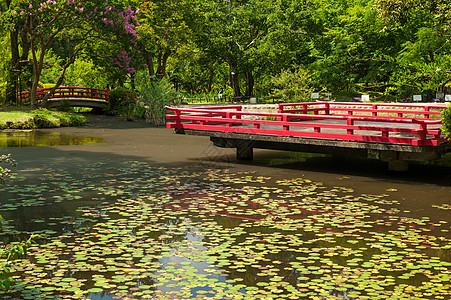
(44, 118)
(446, 121)
(294, 86)
(156, 95)
(121, 102)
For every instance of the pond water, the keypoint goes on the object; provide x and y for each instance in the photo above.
(111, 226)
(37, 138)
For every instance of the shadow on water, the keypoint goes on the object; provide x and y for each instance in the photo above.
(110, 122)
(433, 172)
(36, 138)
(166, 231)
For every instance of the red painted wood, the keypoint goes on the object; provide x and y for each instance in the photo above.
(371, 109)
(70, 92)
(421, 131)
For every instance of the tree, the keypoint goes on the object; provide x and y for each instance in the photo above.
(294, 86)
(164, 30)
(350, 47)
(423, 63)
(233, 30)
(19, 47)
(76, 23)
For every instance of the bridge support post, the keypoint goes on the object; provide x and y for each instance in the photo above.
(244, 151)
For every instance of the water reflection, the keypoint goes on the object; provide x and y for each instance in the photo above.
(143, 231)
(36, 138)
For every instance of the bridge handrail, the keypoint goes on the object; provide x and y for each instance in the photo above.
(229, 121)
(237, 107)
(371, 108)
(216, 112)
(70, 92)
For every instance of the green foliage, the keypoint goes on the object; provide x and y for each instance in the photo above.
(72, 119)
(121, 102)
(446, 121)
(293, 86)
(5, 172)
(13, 250)
(380, 47)
(40, 118)
(156, 95)
(45, 118)
(82, 72)
(72, 25)
(4, 62)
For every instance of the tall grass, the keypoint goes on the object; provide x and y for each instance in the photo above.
(156, 95)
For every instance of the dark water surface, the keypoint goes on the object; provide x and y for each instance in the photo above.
(148, 214)
(40, 138)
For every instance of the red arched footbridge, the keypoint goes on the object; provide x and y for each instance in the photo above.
(391, 132)
(74, 96)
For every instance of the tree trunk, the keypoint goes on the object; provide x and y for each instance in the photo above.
(234, 81)
(210, 79)
(37, 70)
(149, 62)
(14, 67)
(132, 81)
(59, 81)
(162, 62)
(249, 84)
(34, 91)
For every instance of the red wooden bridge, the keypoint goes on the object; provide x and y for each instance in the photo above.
(74, 96)
(396, 133)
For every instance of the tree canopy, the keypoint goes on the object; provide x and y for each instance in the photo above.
(240, 48)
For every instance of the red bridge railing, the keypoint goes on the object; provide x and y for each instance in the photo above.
(385, 123)
(369, 109)
(70, 92)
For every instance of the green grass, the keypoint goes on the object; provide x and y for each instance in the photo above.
(15, 116)
(39, 118)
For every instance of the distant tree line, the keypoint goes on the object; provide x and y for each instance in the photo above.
(242, 48)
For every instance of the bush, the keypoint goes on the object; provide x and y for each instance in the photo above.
(44, 118)
(156, 95)
(121, 102)
(446, 121)
(293, 86)
(39, 118)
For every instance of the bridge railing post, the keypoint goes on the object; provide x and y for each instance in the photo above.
(327, 109)
(350, 122)
(228, 115)
(426, 115)
(422, 133)
(280, 111)
(177, 119)
(286, 127)
(374, 112)
(107, 90)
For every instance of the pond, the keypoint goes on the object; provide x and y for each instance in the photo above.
(107, 226)
(38, 138)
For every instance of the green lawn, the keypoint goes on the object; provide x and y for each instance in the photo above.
(40, 118)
